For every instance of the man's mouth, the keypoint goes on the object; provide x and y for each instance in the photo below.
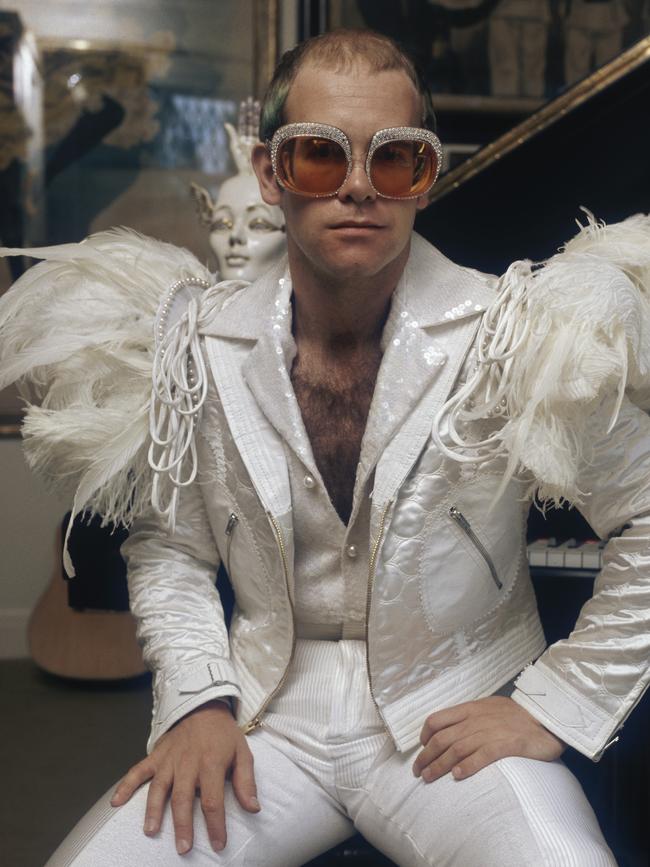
(356, 224)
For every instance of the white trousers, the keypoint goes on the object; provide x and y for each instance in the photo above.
(325, 766)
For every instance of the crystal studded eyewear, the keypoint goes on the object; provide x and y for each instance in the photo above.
(315, 159)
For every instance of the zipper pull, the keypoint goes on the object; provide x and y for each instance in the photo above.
(251, 725)
(233, 520)
(459, 518)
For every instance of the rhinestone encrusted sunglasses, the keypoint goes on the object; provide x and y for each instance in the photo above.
(315, 159)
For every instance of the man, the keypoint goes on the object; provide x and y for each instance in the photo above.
(379, 608)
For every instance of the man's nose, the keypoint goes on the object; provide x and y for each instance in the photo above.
(357, 186)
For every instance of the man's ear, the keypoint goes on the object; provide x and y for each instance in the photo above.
(269, 189)
(422, 202)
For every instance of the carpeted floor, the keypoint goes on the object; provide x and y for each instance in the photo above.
(63, 744)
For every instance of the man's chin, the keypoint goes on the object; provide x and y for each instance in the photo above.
(363, 258)
(341, 271)
(352, 259)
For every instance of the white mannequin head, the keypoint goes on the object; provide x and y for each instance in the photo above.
(246, 234)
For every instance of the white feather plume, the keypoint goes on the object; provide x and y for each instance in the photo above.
(77, 335)
(557, 342)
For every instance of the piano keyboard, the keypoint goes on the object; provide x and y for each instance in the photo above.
(572, 554)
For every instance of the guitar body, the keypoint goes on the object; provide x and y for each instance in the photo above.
(86, 643)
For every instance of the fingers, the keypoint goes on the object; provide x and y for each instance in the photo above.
(243, 779)
(182, 803)
(183, 784)
(466, 738)
(481, 758)
(463, 758)
(135, 777)
(212, 805)
(156, 798)
(438, 745)
(442, 719)
(197, 753)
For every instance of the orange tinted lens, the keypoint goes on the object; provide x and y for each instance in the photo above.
(312, 166)
(403, 168)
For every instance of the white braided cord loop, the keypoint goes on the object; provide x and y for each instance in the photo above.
(561, 346)
(179, 389)
(486, 394)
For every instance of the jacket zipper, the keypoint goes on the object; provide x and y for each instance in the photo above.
(256, 721)
(371, 580)
(462, 521)
(233, 520)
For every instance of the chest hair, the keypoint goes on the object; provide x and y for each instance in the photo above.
(334, 402)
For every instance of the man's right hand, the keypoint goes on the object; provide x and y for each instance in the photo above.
(196, 753)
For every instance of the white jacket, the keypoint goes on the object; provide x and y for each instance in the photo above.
(451, 614)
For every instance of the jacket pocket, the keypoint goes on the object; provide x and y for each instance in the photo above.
(470, 555)
(456, 515)
(243, 555)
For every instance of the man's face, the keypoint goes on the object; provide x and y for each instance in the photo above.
(320, 236)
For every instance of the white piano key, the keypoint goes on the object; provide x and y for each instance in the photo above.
(591, 555)
(537, 552)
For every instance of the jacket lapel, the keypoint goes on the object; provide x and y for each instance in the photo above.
(266, 372)
(238, 341)
(434, 318)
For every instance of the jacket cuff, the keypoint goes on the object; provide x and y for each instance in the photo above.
(571, 716)
(192, 686)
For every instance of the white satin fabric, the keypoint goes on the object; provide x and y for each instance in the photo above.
(325, 766)
(441, 628)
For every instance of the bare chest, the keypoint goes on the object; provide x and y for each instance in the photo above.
(334, 405)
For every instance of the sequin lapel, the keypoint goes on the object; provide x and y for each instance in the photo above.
(434, 318)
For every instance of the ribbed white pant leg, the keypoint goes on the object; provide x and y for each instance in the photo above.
(298, 821)
(514, 813)
(558, 813)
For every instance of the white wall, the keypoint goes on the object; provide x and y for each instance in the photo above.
(29, 516)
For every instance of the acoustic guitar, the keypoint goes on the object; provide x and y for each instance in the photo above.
(82, 628)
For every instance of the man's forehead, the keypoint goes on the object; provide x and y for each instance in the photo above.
(324, 94)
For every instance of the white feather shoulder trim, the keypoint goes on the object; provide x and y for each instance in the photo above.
(559, 339)
(102, 338)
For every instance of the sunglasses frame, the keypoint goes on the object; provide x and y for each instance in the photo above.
(333, 133)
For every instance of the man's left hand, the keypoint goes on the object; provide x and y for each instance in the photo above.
(465, 738)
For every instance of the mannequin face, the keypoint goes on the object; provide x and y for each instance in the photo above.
(246, 234)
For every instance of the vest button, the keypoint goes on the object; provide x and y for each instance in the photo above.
(309, 481)
(351, 551)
